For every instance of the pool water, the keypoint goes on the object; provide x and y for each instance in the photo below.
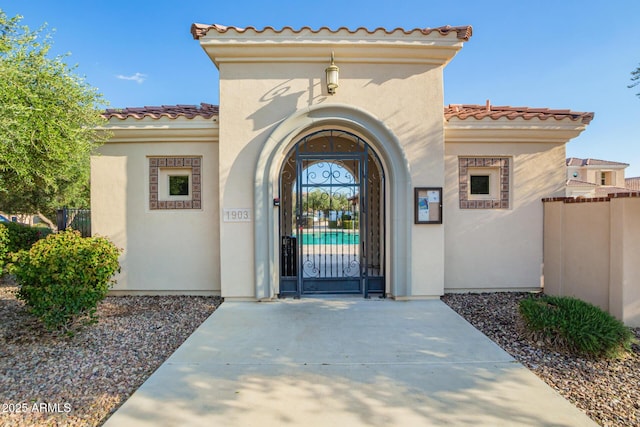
(330, 238)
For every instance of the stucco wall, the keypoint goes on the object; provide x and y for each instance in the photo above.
(585, 251)
(624, 296)
(257, 98)
(165, 251)
(488, 249)
(591, 252)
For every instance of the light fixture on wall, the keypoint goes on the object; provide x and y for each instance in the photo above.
(332, 76)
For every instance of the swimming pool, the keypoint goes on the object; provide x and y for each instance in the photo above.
(337, 237)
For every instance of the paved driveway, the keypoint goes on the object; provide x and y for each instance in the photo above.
(342, 362)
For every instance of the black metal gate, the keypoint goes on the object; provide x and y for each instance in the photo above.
(332, 217)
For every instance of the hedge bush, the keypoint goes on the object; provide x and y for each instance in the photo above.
(22, 236)
(350, 224)
(63, 278)
(575, 325)
(4, 246)
(15, 237)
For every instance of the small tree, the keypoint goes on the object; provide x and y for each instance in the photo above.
(47, 125)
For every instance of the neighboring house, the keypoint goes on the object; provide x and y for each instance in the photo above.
(632, 184)
(210, 199)
(594, 178)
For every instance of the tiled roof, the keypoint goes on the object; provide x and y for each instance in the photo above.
(479, 112)
(578, 183)
(460, 111)
(574, 161)
(201, 30)
(604, 191)
(633, 183)
(206, 111)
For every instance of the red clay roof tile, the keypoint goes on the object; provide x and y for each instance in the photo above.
(462, 32)
(575, 161)
(479, 112)
(605, 191)
(204, 110)
(578, 183)
(462, 112)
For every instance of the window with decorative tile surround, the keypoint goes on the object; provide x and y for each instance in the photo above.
(174, 183)
(484, 182)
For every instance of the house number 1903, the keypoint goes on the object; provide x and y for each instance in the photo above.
(236, 215)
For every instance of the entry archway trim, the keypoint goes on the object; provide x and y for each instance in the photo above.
(273, 153)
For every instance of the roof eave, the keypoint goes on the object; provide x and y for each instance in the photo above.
(426, 46)
(163, 129)
(489, 130)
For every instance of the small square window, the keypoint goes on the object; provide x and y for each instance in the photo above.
(178, 185)
(480, 184)
(175, 184)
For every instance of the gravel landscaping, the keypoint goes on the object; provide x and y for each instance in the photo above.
(608, 391)
(81, 380)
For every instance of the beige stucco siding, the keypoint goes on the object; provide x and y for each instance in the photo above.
(586, 259)
(591, 252)
(164, 250)
(406, 98)
(500, 248)
(624, 296)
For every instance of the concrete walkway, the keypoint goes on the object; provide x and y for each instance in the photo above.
(342, 362)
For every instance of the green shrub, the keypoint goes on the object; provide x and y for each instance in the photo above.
(22, 236)
(63, 278)
(349, 224)
(575, 325)
(332, 224)
(4, 246)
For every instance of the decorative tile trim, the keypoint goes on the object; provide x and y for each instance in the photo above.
(158, 163)
(502, 163)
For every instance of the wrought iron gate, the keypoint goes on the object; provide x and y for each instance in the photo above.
(332, 217)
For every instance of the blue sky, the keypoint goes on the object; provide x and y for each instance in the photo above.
(568, 54)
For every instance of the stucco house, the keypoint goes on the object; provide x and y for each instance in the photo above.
(330, 166)
(595, 177)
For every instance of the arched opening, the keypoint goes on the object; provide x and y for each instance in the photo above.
(398, 192)
(332, 217)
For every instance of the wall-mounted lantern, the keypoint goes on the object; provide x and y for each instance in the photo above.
(332, 76)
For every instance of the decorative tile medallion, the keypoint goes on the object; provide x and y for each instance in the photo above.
(483, 162)
(156, 164)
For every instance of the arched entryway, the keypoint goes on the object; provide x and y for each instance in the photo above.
(332, 210)
(398, 192)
